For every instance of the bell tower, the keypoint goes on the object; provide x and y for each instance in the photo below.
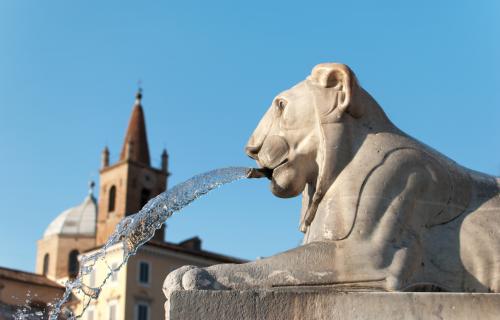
(128, 184)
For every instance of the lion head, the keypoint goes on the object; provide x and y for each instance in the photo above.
(303, 137)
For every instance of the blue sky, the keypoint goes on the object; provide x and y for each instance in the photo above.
(69, 72)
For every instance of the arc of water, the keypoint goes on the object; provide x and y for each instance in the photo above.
(135, 230)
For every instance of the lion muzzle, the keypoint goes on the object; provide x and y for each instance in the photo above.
(274, 152)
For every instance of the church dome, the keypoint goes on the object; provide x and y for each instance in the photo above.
(76, 221)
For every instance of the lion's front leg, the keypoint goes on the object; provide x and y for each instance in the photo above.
(311, 264)
(316, 263)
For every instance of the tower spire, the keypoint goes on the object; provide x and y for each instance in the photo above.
(105, 158)
(136, 135)
(164, 161)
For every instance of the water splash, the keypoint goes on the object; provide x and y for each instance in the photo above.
(135, 230)
(25, 311)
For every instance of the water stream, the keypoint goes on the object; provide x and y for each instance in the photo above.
(131, 233)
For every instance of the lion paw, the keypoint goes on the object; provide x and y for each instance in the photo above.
(190, 278)
(173, 281)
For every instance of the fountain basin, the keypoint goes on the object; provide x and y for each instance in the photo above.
(329, 303)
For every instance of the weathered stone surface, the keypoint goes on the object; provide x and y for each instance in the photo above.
(313, 303)
(378, 207)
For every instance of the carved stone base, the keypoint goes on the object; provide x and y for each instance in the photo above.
(327, 303)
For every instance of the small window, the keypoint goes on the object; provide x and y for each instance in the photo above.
(114, 272)
(142, 311)
(73, 264)
(46, 264)
(112, 199)
(92, 279)
(90, 314)
(145, 195)
(112, 312)
(144, 272)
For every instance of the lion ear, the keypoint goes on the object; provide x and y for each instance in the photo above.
(338, 77)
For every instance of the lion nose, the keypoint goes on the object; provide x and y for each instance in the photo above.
(252, 151)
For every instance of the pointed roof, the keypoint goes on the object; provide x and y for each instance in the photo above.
(135, 146)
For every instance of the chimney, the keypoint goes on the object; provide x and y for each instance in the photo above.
(193, 243)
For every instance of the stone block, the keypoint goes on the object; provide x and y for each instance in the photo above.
(327, 303)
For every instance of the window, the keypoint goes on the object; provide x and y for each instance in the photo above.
(45, 264)
(112, 311)
(73, 264)
(144, 272)
(114, 274)
(145, 195)
(112, 199)
(90, 314)
(142, 311)
(92, 279)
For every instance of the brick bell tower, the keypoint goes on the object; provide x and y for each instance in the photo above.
(128, 184)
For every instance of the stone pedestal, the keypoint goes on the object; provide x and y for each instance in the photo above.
(327, 303)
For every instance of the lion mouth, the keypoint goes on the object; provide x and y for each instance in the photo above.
(264, 171)
(256, 173)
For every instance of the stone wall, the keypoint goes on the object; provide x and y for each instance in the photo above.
(325, 303)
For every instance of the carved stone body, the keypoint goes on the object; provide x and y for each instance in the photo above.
(380, 209)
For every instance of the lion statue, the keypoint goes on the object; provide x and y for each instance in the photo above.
(380, 210)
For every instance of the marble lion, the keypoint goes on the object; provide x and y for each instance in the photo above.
(380, 210)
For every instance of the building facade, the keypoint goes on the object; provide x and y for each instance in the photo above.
(135, 291)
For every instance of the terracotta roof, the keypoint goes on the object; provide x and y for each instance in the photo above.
(199, 253)
(135, 146)
(179, 248)
(28, 277)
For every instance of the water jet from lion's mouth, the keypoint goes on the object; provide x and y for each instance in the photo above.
(134, 231)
